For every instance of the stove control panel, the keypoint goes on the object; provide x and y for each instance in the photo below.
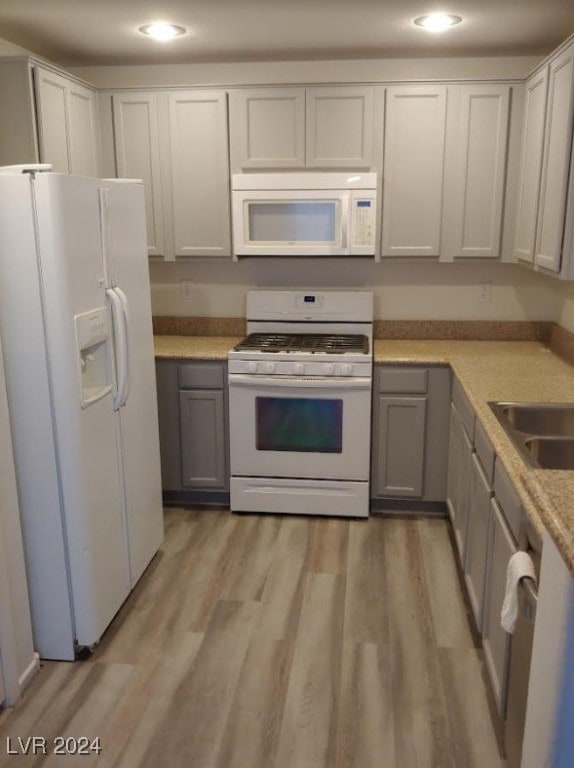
(309, 301)
(302, 369)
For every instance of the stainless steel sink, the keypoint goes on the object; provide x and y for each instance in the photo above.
(551, 452)
(540, 419)
(542, 432)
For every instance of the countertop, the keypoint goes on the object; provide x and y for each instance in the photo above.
(198, 347)
(487, 370)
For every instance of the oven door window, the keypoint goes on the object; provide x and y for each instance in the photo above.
(308, 425)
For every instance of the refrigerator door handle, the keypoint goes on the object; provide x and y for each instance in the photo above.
(120, 344)
(104, 230)
(127, 361)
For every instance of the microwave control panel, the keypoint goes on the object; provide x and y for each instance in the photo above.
(363, 222)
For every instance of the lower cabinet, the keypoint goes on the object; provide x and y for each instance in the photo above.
(194, 442)
(410, 433)
(496, 642)
(487, 520)
(459, 480)
(477, 529)
(202, 432)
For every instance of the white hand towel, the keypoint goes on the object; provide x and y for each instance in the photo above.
(519, 566)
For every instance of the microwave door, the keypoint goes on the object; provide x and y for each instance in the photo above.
(291, 223)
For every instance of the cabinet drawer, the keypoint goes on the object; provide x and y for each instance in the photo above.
(400, 380)
(485, 451)
(508, 500)
(464, 408)
(201, 375)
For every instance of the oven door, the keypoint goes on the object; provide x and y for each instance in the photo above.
(299, 428)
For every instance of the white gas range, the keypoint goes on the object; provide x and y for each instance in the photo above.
(300, 404)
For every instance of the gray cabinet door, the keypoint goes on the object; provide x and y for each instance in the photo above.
(453, 473)
(495, 641)
(168, 416)
(400, 445)
(477, 539)
(202, 431)
(462, 469)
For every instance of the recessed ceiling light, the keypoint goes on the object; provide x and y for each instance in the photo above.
(162, 31)
(437, 22)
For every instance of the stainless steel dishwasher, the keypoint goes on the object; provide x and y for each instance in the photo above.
(521, 651)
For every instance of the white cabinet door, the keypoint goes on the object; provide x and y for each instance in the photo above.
(138, 157)
(556, 161)
(474, 186)
(531, 166)
(82, 108)
(199, 173)
(267, 128)
(339, 127)
(53, 119)
(413, 170)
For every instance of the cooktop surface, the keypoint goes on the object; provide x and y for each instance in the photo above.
(336, 344)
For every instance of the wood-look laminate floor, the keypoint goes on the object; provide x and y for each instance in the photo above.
(277, 642)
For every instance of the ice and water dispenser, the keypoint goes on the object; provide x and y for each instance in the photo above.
(92, 342)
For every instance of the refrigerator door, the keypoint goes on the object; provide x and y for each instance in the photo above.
(71, 259)
(33, 438)
(128, 273)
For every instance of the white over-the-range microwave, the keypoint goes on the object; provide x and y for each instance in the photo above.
(304, 214)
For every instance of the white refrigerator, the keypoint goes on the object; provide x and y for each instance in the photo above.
(75, 320)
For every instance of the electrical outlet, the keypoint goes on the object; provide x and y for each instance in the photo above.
(485, 292)
(187, 290)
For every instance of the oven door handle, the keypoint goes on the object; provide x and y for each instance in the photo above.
(288, 382)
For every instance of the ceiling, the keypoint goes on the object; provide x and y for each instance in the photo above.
(92, 32)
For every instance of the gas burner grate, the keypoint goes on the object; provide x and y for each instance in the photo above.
(335, 344)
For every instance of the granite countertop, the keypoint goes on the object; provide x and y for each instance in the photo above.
(198, 347)
(508, 370)
(487, 370)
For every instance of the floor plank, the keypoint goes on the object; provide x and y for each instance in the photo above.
(259, 641)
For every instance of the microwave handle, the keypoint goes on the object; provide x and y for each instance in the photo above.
(345, 221)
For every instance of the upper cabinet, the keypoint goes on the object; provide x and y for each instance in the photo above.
(176, 142)
(556, 160)
(47, 117)
(66, 123)
(542, 223)
(199, 173)
(413, 170)
(339, 127)
(267, 128)
(137, 156)
(475, 169)
(444, 170)
(296, 128)
(531, 166)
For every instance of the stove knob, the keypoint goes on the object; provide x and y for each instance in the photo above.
(268, 367)
(299, 368)
(329, 369)
(346, 369)
(251, 367)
